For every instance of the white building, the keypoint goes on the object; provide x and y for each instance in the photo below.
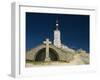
(57, 39)
(57, 36)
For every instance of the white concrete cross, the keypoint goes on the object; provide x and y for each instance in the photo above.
(47, 42)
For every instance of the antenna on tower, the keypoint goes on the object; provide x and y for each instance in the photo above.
(57, 23)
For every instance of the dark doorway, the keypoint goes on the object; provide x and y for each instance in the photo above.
(53, 55)
(40, 56)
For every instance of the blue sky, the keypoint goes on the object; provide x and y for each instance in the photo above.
(74, 29)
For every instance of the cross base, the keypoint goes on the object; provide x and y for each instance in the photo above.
(47, 59)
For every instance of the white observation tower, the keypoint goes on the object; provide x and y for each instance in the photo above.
(57, 36)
